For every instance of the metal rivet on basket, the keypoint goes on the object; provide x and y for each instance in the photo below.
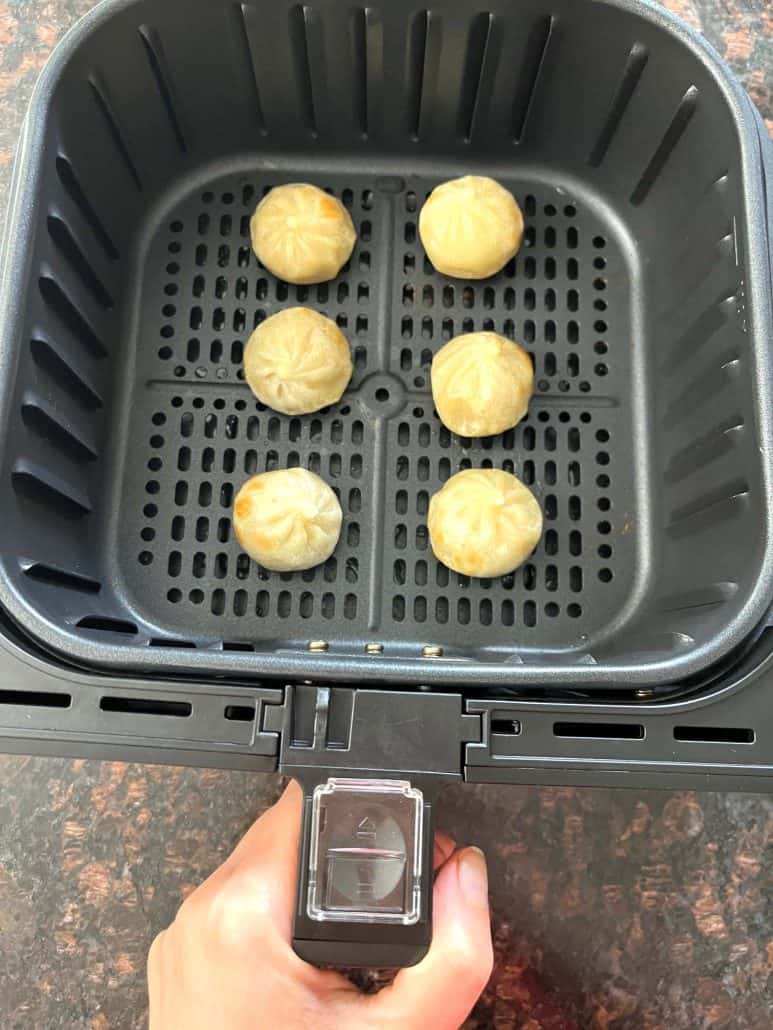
(432, 651)
(374, 648)
(318, 645)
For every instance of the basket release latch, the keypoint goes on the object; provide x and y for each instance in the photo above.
(371, 764)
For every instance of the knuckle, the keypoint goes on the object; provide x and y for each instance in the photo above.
(469, 962)
(154, 955)
(191, 913)
(227, 920)
(231, 919)
(486, 965)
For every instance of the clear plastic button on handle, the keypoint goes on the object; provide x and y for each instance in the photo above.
(365, 852)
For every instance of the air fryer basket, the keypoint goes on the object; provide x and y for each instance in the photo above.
(642, 292)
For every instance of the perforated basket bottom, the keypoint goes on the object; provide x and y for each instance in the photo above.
(196, 433)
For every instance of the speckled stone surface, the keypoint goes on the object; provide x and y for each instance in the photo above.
(613, 910)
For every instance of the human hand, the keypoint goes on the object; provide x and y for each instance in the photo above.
(227, 959)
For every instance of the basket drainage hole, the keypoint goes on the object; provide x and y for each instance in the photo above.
(383, 394)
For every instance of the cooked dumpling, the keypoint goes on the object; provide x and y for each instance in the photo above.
(470, 227)
(297, 362)
(484, 522)
(302, 234)
(481, 384)
(287, 520)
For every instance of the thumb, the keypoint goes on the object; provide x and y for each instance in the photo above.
(440, 991)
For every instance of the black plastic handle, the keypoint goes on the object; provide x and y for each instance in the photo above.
(357, 943)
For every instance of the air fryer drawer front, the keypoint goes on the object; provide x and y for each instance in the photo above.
(718, 740)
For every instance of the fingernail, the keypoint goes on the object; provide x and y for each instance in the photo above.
(473, 877)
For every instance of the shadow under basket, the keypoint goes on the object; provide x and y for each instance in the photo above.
(642, 292)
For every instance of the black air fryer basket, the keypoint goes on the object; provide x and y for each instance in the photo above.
(632, 647)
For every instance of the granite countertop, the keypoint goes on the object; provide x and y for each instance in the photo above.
(613, 910)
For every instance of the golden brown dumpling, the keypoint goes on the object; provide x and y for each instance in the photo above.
(287, 520)
(481, 384)
(484, 522)
(470, 227)
(302, 234)
(297, 361)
